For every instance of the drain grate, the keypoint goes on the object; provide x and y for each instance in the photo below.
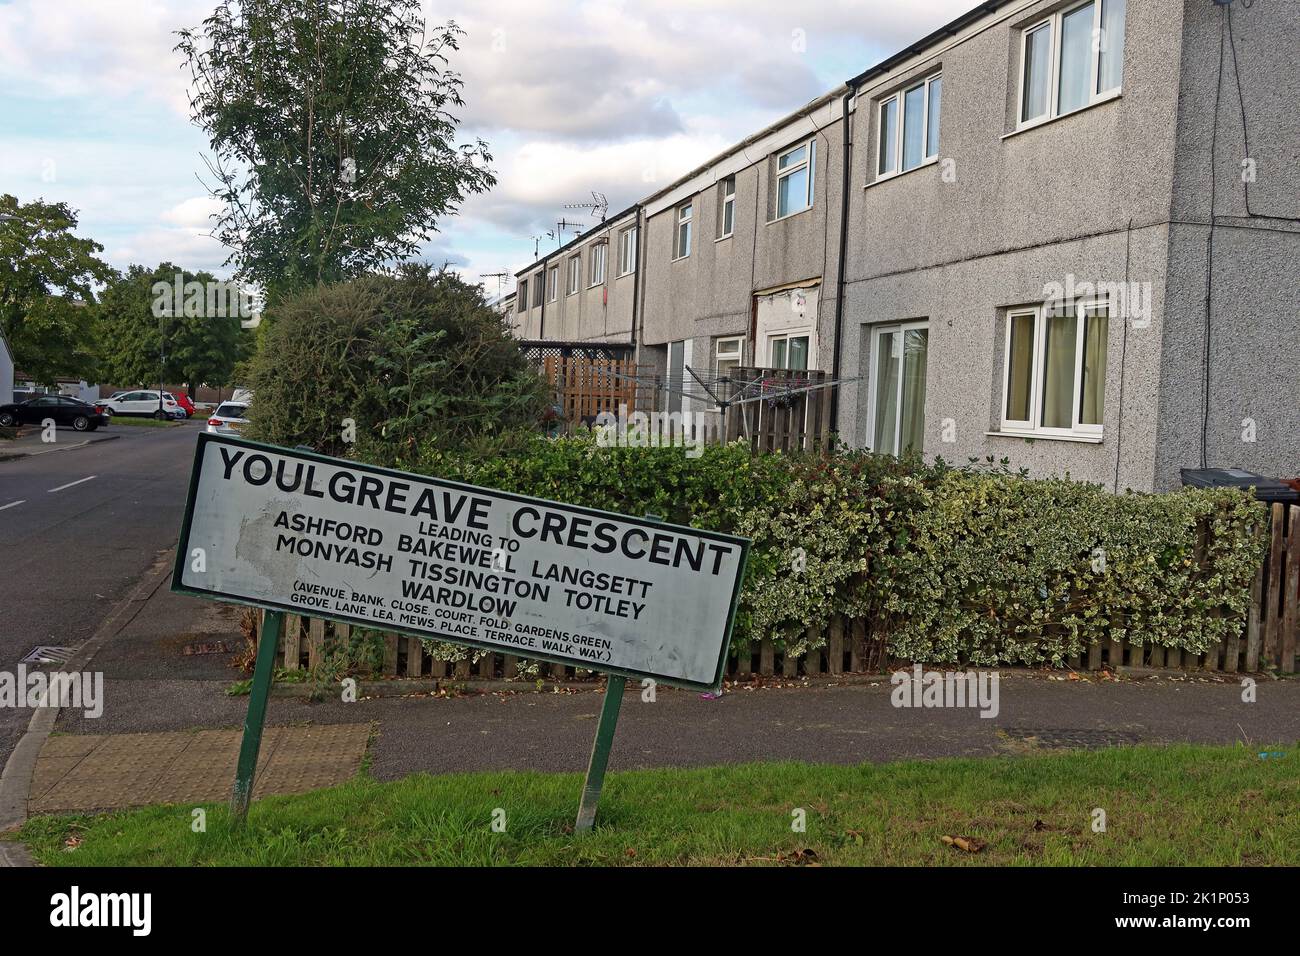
(48, 654)
(206, 647)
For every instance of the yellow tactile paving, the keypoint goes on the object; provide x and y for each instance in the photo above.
(102, 772)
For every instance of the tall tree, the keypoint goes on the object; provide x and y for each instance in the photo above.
(333, 138)
(147, 334)
(47, 276)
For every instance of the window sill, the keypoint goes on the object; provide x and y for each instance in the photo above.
(1042, 436)
(680, 258)
(889, 177)
(727, 236)
(1048, 121)
(790, 215)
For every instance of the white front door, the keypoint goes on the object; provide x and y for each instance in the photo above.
(899, 355)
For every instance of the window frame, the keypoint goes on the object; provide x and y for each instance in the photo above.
(521, 298)
(599, 262)
(1033, 427)
(1053, 22)
(538, 289)
(899, 99)
(726, 200)
(627, 240)
(552, 283)
(809, 162)
(902, 328)
(785, 335)
(680, 221)
(573, 281)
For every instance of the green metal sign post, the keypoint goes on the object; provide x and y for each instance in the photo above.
(267, 644)
(614, 686)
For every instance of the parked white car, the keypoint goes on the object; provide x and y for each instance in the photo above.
(143, 402)
(228, 419)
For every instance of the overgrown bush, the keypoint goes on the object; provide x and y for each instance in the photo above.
(411, 359)
(969, 565)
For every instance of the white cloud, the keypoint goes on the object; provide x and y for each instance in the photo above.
(618, 96)
(95, 48)
(194, 213)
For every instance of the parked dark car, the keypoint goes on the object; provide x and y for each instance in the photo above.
(63, 410)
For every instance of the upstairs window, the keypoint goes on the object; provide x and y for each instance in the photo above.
(521, 300)
(552, 283)
(537, 290)
(575, 274)
(598, 253)
(1070, 60)
(727, 212)
(794, 179)
(682, 242)
(627, 251)
(909, 127)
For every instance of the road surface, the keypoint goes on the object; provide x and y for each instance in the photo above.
(78, 527)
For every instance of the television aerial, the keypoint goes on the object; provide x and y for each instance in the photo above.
(598, 204)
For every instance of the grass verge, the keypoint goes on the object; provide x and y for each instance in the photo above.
(1165, 806)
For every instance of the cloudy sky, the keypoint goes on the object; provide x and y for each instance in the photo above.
(572, 97)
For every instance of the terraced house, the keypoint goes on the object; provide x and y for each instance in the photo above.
(1061, 233)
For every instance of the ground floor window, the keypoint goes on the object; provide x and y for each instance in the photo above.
(1055, 379)
(897, 420)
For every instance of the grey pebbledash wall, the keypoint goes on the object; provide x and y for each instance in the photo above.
(1253, 324)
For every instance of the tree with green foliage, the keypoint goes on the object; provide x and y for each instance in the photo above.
(391, 362)
(47, 277)
(332, 134)
(146, 333)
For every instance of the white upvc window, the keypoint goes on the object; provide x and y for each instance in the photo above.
(727, 212)
(909, 127)
(575, 274)
(598, 253)
(521, 300)
(552, 283)
(795, 169)
(682, 240)
(1054, 383)
(537, 290)
(627, 251)
(789, 350)
(1070, 60)
(727, 354)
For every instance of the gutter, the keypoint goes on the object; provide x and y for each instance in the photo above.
(846, 162)
(636, 281)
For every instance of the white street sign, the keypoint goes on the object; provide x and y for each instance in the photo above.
(300, 532)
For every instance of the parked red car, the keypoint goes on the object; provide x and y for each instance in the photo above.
(183, 400)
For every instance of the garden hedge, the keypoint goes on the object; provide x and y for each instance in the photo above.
(966, 565)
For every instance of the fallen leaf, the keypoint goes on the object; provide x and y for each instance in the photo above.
(969, 844)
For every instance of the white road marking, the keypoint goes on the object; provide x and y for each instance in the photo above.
(12, 504)
(69, 484)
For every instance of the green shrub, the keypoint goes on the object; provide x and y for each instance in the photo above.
(952, 565)
(1003, 569)
(414, 358)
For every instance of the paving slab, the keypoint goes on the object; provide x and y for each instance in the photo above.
(81, 772)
